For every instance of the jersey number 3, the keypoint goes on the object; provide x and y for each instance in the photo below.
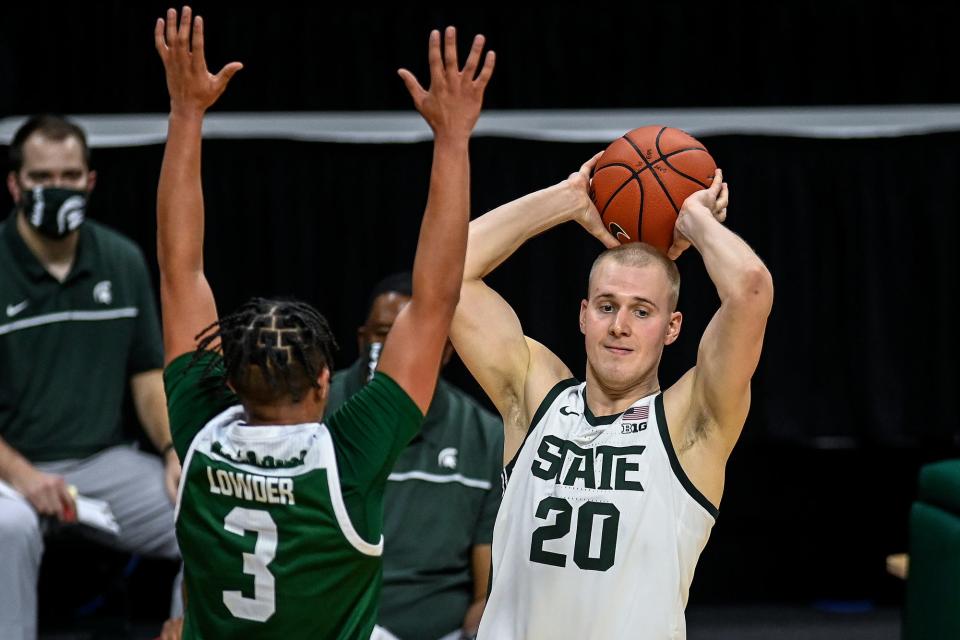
(261, 606)
(587, 513)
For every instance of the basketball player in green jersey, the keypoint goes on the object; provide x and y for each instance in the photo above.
(612, 484)
(278, 515)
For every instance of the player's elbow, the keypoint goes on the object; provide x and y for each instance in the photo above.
(172, 259)
(177, 280)
(755, 287)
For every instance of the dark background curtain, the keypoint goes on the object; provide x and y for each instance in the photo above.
(856, 385)
(98, 57)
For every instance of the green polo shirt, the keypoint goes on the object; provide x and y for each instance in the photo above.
(441, 499)
(68, 349)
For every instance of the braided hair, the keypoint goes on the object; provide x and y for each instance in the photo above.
(271, 348)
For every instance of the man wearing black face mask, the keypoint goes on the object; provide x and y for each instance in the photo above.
(77, 323)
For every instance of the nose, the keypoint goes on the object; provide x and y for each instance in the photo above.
(620, 324)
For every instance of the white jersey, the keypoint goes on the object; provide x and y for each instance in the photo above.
(599, 530)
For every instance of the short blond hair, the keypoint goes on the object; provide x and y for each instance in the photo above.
(641, 254)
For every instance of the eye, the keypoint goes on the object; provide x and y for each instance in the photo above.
(605, 307)
(641, 313)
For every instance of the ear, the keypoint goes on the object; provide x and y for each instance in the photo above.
(673, 328)
(323, 381)
(321, 393)
(583, 317)
(91, 180)
(13, 187)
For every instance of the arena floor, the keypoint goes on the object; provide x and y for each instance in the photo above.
(790, 623)
(703, 623)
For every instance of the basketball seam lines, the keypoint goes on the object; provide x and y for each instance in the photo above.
(635, 175)
(666, 161)
(620, 188)
(654, 173)
(663, 157)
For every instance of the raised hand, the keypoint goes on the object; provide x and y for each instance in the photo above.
(711, 201)
(452, 104)
(187, 302)
(192, 87)
(586, 214)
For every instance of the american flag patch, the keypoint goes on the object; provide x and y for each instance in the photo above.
(637, 413)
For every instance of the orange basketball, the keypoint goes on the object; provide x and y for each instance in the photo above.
(642, 179)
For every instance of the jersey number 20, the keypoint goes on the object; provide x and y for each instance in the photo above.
(261, 606)
(586, 514)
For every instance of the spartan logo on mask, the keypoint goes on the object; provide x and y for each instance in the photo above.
(55, 212)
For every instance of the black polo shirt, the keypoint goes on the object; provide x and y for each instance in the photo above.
(68, 349)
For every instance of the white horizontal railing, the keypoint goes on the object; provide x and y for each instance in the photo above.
(123, 130)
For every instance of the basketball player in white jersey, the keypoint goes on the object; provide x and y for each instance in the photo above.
(612, 484)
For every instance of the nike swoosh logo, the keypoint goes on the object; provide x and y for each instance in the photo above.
(566, 411)
(619, 233)
(14, 309)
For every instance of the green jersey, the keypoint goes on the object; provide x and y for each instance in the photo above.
(280, 526)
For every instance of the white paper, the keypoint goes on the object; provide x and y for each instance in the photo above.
(90, 511)
(97, 514)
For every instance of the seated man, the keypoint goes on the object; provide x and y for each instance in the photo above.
(79, 323)
(446, 482)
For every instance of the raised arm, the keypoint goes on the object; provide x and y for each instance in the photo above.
(187, 303)
(718, 387)
(412, 353)
(516, 372)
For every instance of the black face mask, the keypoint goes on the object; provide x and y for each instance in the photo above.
(54, 212)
